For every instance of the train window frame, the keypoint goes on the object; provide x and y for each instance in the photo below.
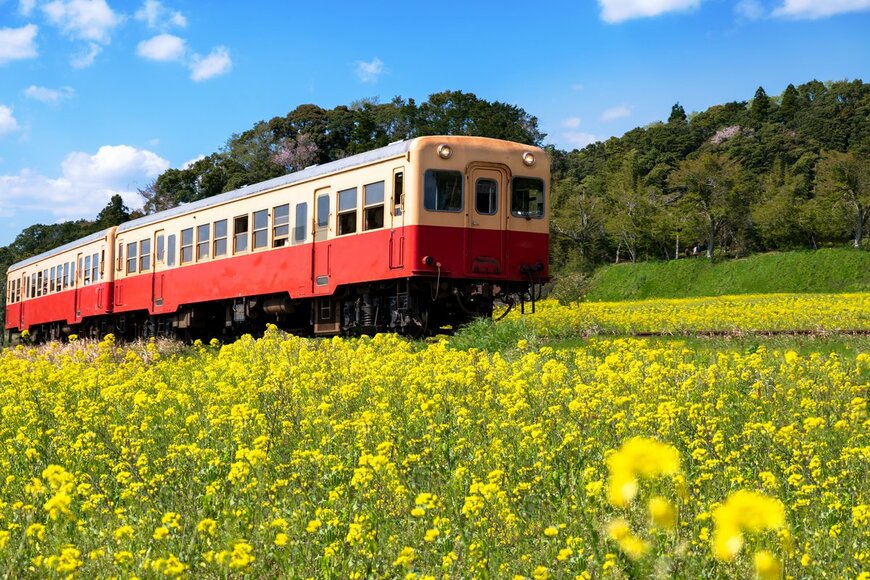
(372, 209)
(346, 204)
(170, 250)
(240, 234)
(323, 211)
(186, 250)
(132, 255)
(220, 238)
(145, 255)
(280, 225)
(203, 242)
(433, 199)
(260, 235)
(525, 213)
(300, 233)
(492, 196)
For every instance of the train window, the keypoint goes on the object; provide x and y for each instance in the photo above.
(442, 190)
(131, 258)
(34, 287)
(58, 274)
(398, 191)
(159, 250)
(102, 263)
(280, 225)
(486, 196)
(527, 197)
(95, 269)
(323, 211)
(51, 286)
(299, 233)
(119, 261)
(202, 237)
(220, 238)
(144, 255)
(373, 213)
(347, 211)
(38, 284)
(170, 250)
(87, 271)
(73, 270)
(187, 245)
(261, 229)
(240, 234)
(66, 276)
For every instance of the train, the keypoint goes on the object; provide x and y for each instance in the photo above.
(416, 237)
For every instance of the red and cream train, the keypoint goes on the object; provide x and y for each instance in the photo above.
(411, 237)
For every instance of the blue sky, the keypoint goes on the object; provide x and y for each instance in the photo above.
(100, 96)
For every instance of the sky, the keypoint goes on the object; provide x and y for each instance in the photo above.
(99, 97)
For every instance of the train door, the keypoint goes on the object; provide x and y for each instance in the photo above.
(486, 203)
(321, 244)
(157, 273)
(397, 220)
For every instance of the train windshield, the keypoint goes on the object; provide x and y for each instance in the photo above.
(527, 197)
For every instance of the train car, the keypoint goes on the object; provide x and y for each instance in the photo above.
(412, 237)
(57, 291)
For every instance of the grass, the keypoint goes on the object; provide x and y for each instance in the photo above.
(820, 271)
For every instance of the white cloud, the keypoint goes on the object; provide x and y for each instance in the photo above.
(812, 9)
(613, 113)
(18, 43)
(187, 164)
(218, 62)
(8, 123)
(155, 15)
(571, 122)
(25, 7)
(613, 11)
(750, 9)
(368, 72)
(579, 139)
(83, 19)
(50, 96)
(85, 57)
(86, 184)
(163, 47)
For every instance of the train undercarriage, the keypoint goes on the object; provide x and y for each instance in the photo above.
(414, 307)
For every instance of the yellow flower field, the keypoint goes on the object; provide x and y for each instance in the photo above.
(388, 458)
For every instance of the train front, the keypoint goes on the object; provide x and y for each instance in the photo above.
(481, 214)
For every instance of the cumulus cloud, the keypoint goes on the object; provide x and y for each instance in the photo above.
(813, 9)
(25, 7)
(613, 113)
(155, 15)
(8, 124)
(90, 20)
(368, 72)
(18, 43)
(163, 47)
(614, 11)
(85, 57)
(86, 183)
(50, 96)
(218, 62)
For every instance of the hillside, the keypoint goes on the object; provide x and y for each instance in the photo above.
(821, 271)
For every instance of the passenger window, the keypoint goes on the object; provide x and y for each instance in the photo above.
(187, 245)
(72, 272)
(220, 238)
(33, 286)
(52, 287)
(66, 276)
(145, 255)
(527, 197)
(299, 233)
(323, 211)
(159, 249)
(131, 259)
(347, 211)
(202, 237)
(119, 261)
(45, 282)
(398, 191)
(240, 234)
(486, 196)
(57, 278)
(87, 271)
(95, 268)
(280, 225)
(374, 206)
(442, 190)
(170, 250)
(261, 229)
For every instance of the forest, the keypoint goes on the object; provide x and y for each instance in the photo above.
(770, 173)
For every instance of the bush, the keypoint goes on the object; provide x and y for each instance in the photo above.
(571, 287)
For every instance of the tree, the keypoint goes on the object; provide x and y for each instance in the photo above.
(678, 114)
(790, 104)
(628, 220)
(115, 213)
(843, 183)
(760, 107)
(711, 186)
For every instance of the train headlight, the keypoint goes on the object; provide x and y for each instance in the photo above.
(529, 158)
(444, 151)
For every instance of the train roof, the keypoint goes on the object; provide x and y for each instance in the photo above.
(68, 246)
(392, 150)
